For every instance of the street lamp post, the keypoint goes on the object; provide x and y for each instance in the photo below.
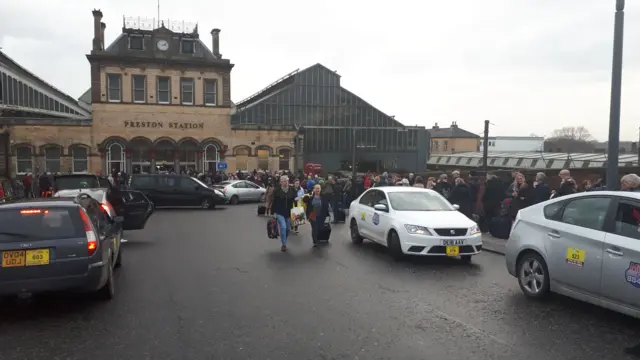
(616, 94)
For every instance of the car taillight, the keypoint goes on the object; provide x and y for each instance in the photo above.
(92, 242)
(224, 191)
(108, 209)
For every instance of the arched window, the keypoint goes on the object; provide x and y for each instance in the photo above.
(263, 158)
(24, 159)
(80, 159)
(242, 158)
(52, 159)
(211, 158)
(115, 157)
(284, 156)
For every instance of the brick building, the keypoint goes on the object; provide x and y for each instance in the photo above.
(158, 98)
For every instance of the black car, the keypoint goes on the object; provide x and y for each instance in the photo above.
(172, 190)
(58, 244)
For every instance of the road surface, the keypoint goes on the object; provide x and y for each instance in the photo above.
(199, 284)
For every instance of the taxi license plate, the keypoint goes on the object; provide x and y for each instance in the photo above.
(455, 242)
(453, 250)
(20, 258)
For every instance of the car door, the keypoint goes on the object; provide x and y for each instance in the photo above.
(380, 220)
(253, 191)
(169, 193)
(365, 213)
(621, 261)
(102, 224)
(241, 190)
(149, 185)
(137, 210)
(574, 244)
(189, 190)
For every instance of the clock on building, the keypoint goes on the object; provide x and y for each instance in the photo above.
(163, 45)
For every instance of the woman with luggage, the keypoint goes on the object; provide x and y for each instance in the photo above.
(317, 212)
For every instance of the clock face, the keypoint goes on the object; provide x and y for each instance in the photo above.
(163, 45)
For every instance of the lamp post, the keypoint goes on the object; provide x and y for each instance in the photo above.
(616, 94)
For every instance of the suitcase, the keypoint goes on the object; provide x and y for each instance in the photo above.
(273, 231)
(340, 216)
(325, 233)
(500, 227)
(262, 209)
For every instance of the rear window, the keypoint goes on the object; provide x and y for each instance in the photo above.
(76, 182)
(40, 224)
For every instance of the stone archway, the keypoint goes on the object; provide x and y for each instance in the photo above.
(188, 152)
(242, 154)
(140, 150)
(165, 154)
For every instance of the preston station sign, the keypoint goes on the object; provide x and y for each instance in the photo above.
(167, 125)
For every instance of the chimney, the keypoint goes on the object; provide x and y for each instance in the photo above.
(215, 45)
(454, 125)
(97, 39)
(435, 126)
(102, 27)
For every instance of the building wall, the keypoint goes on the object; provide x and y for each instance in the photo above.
(514, 144)
(453, 145)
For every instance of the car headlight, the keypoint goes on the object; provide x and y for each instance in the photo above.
(219, 193)
(418, 230)
(474, 230)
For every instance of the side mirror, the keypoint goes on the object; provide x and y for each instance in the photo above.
(381, 207)
(456, 206)
(118, 219)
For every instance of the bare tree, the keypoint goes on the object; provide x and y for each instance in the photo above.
(576, 133)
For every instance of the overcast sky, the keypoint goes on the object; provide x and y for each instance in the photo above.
(529, 66)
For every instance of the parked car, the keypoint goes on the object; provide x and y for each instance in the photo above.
(241, 190)
(172, 190)
(58, 244)
(585, 246)
(413, 221)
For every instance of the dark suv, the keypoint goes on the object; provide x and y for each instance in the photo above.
(172, 190)
(57, 244)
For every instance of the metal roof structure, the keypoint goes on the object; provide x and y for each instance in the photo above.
(530, 160)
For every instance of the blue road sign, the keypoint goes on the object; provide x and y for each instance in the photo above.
(222, 166)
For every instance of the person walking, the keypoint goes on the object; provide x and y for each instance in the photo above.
(317, 212)
(284, 197)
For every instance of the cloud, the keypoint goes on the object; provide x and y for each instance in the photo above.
(528, 66)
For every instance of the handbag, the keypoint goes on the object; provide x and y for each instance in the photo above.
(298, 216)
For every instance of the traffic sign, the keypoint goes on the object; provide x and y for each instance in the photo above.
(222, 166)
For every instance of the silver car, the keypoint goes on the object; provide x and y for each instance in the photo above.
(241, 190)
(585, 246)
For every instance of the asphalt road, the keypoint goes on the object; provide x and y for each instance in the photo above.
(210, 285)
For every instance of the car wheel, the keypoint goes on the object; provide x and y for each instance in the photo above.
(206, 203)
(393, 244)
(533, 275)
(466, 258)
(355, 233)
(108, 291)
(234, 200)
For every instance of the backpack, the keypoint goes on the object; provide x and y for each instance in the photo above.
(273, 231)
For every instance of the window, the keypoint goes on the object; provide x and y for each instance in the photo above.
(435, 145)
(369, 198)
(52, 224)
(139, 83)
(574, 213)
(628, 220)
(239, 185)
(52, 159)
(445, 145)
(164, 90)
(187, 46)
(211, 158)
(114, 93)
(551, 211)
(210, 92)
(24, 159)
(187, 184)
(168, 181)
(186, 94)
(115, 157)
(143, 182)
(136, 42)
(80, 159)
(284, 157)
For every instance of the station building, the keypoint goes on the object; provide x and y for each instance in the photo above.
(160, 98)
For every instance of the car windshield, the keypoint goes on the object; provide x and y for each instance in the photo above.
(76, 182)
(418, 201)
(200, 182)
(40, 224)
(225, 183)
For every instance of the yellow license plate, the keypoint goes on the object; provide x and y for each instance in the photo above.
(19, 258)
(453, 250)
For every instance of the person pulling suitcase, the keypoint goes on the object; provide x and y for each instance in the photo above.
(318, 214)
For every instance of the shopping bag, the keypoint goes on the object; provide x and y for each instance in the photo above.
(298, 216)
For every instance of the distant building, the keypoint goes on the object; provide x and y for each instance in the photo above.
(452, 140)
(514, 143)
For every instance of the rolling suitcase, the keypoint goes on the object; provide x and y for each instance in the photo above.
(324, 233)
(500, 227)
(262, 209)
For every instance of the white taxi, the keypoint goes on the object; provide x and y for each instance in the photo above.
(413, 221)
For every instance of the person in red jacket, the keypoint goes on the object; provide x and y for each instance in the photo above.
(27, 186)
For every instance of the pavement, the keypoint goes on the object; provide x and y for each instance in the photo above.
(199, 284)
